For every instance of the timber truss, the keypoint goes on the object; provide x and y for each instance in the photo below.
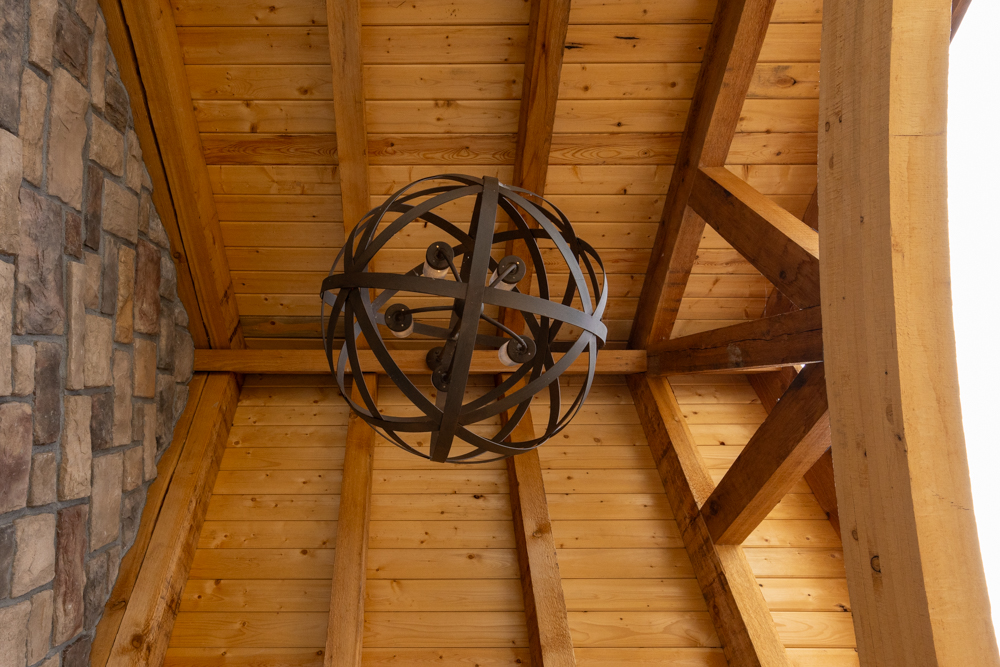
(909, 556)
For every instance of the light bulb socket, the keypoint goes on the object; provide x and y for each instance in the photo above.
(513, 353)
(516, 271)
(438, 259)
(399, 320)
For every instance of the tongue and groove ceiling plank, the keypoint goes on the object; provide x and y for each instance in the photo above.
(161, 66)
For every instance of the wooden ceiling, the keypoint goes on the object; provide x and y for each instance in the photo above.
(442, 81)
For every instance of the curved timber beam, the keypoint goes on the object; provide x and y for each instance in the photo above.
(914, 570)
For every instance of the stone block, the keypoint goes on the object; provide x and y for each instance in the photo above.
(92, 291)
(133, 171)
(115, 101)
(109, 283)
(102, 421)
(40, 626)
(133, 471)
(165, 345)
(77, 654)
(106, 501)
(6, 327)
(67, 136)
(183, 356)
(34, 99)
(98, 588)
(107, 146)
(74, 463)
(42, 489)
(13, 29)
(147, 181)
(149, 449)
(24, 369)
(48, 391)
(42, 27)
(157, 234)
(147, 288)
(92, 209)
(40, 307)
(73, 238)
(72, 45)
(180, 398)
(98, 340)
(11, 170)
(98, 63)
(180, 315)
(120, 213)
(122, 391)
(145, 368)
(76, 317)
(87, 11)
(164, 410)
(14, 634)
(124, 305)
(51, 662)
(15, 455)
(131, 515)
(145, 204)
(168, 278)
(34, 560)
(67, 616)
(7, 548)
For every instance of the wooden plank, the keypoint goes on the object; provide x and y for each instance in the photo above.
(347, 600)
(770, 387)
(779, 245)
(161, 65)
(610, 362)
(958, 9)
(349, 108)
(780, 340)
(786, 445)
(145, 626)
(730, 58)
(736, 605)
(544, 605)
(121, 45)
(914, 569)
(114, 609)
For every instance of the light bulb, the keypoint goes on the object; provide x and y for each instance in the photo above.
(504, 357)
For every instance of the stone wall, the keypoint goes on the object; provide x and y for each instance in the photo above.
(94, 353)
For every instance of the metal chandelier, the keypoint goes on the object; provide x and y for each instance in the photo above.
(461, 269)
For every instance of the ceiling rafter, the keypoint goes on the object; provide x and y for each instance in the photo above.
(344, 29)
(161, 65)
(735, 602)
(345, 631)
(726, 73)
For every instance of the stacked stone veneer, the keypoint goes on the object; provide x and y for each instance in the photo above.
(94, 353)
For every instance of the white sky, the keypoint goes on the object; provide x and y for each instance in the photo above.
(973, 187)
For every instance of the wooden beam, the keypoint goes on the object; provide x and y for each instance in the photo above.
(914, 570)
(735, 603)
(344, 21)
(145, 626)
(124, 51)
(769, 388)
(158, 52)
(958, 9)
(347, 599)
(779, 245)
(727, 69)
(790, 338)
(609, 362)
(786, 445)
(114, 609)
(549, 637)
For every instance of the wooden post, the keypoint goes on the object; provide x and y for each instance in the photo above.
(344, 25)
(914, 570)
(158, 52)
(735, 602)
(347, 599)
(146, 625)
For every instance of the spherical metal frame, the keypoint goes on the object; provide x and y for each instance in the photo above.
(349, 294)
